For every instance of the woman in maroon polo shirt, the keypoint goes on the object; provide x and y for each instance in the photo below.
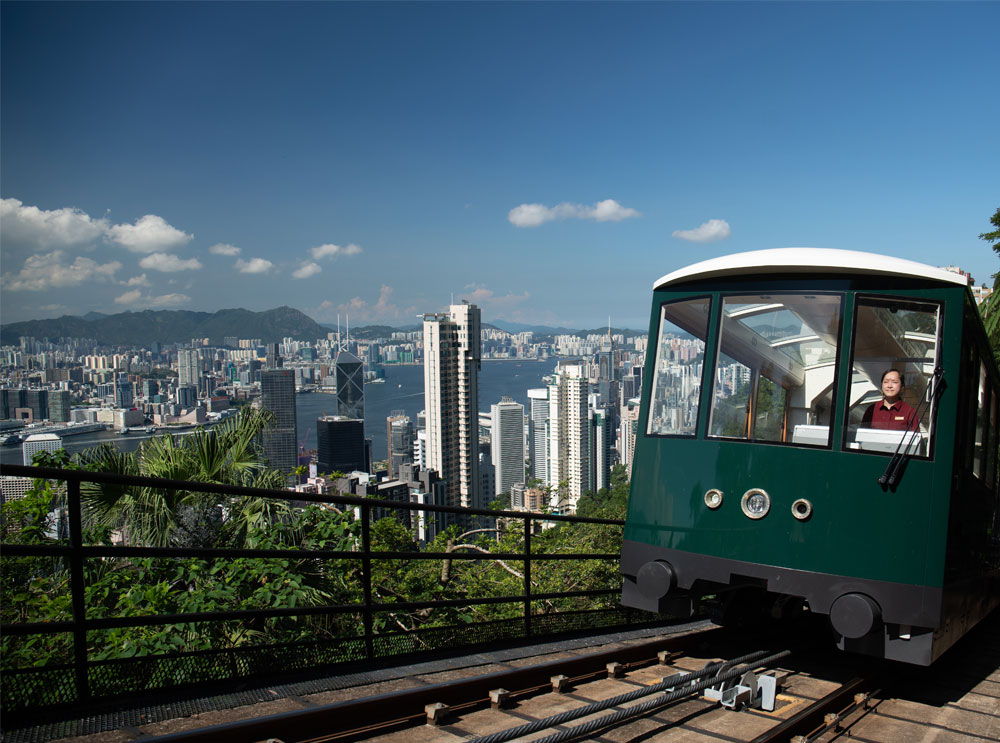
(891, 412)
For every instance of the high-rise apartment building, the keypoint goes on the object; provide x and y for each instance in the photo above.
(400, 438)
(507, 444)
(188, 367)
(627, 431)
(569, 435)
(350, 373)
(452, 349)
(538, 435)
(277, 395)
(602, 442)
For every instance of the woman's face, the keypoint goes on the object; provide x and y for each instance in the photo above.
(891, 385)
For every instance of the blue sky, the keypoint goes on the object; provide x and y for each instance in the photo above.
(547, 161)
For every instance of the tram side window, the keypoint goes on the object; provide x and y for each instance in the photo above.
(981, 443)
(773, 380)
(680, 358)
(993, 453)
(895, 353)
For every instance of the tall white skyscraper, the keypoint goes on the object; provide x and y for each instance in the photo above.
(538, 436)
(507, 444)
(602, 446)
(452, 358)
(569, 435)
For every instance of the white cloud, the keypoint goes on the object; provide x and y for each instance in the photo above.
(40, 229)
(329, 250)
(136, 298)
(169, 300)
(224, 249)
(149, 234)
(48, 270)
(709, 232)
(490, 301)
(361, 311)
(254, 265)
(129, 297)
(169, 263)
(306, 270)
(139, 280)
(533, 215)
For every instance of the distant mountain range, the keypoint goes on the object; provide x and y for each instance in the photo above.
(171, 326)
(181, 326)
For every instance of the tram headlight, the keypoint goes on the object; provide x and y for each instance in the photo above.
(713, 498)
(755, 503)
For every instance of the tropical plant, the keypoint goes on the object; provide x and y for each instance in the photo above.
(228, 454)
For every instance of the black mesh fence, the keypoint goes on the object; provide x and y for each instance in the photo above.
(28, 689)
(113, 651)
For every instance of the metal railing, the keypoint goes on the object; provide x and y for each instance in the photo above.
(76, 552)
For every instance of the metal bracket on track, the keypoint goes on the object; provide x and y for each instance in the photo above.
(749, 690)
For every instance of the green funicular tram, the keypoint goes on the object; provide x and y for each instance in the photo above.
(759, 478)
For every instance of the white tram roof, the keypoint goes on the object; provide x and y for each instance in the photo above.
(807, 261)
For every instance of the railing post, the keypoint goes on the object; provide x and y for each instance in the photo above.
(78, 590)
(366, 567)
(527, 575)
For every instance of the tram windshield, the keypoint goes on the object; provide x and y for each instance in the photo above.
(776, 367)
(680, 357)
(893, 360)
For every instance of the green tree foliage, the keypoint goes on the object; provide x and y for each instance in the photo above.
(991, 307)
(38, 589)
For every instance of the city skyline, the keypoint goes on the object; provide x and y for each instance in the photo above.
(383, 160)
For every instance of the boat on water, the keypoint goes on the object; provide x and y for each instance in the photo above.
(10, 439)
(375, 381)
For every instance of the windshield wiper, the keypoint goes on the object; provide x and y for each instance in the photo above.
(894, 470)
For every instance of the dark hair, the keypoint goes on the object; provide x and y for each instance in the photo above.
(902, 382)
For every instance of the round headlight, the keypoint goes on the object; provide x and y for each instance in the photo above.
(713, 498)
(802, 509)
(755, 503)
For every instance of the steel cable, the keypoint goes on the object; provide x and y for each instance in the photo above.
(667, 683)
(649, 706)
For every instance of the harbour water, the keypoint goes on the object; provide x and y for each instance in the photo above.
(403, 390)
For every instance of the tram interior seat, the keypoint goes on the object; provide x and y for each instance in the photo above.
(884, 440)
(811, 435)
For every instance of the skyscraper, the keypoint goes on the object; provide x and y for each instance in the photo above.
(340, 444)
(569, 435)
(452, 351)
(400, 438)
(350, 372)
(538, 400)
(188, 367)
(277, 395)
(507, 444)
(602, 445)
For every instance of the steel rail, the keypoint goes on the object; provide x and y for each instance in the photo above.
(688, 682)
(347, 718)
(651, 705)
(812, 717)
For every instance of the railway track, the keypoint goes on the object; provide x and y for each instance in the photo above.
(667, 684)
(580, 693)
